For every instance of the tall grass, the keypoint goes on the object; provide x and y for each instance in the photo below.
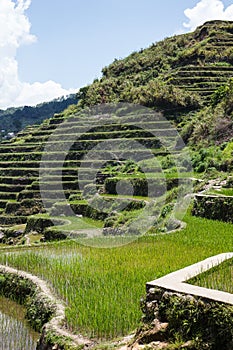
(102, 287)
(219, 277)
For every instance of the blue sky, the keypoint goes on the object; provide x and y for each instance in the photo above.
(77, 38)
(53, 47)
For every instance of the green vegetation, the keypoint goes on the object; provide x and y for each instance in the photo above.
(191, 71)
(16, 119)
(171, 74)
(204, 324)
(219, 277)
(222, 191)
(214, 207)
(103, 287)
(188, 77)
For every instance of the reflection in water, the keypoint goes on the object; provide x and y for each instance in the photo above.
(15, 334)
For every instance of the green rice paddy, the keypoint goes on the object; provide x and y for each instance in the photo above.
(219, 277)
(102, 287)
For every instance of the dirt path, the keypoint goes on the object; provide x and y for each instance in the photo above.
(56, 323)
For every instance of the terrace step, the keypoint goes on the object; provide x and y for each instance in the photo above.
(19, 172)
(53, 185)
(56, 121)
(78, 208)
(30, 205)
(50, 194)
(3, 203)
(194, 80)
(8, 195)
(35, 172)
(207, 67)
(80, 145)
(16, 157)
(10, 220)
(76, 128)
(17, 180)
(68, 156)
(25, 208)
(11, 188)
(11, 148)
(103, 135)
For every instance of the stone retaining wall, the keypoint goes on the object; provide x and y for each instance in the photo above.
(214, 207)
(174, 311)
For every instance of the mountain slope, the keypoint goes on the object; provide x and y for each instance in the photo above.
(13, 120)
(150, 77)
(177, 72)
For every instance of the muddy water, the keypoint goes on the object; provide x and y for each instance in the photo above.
(15, 333)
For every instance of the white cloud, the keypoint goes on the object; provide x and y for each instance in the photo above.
(15, 32)
(206, 10)
(40, 92)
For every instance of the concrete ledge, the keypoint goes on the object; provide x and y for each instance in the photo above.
(175, 281)
(212, 195)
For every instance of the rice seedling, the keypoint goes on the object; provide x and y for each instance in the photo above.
(102, 287)
(15, 333)
(219, 277)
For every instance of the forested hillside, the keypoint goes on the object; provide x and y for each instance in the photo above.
(12, 120)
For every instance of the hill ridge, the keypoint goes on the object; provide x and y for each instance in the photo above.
(207, 50)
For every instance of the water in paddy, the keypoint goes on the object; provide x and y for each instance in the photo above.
(15, 333)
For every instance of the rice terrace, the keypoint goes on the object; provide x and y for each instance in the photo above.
(116, 213)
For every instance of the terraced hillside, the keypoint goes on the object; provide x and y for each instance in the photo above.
(204, 80)
(58, 166)
(105, 176)
(77, 162)
(186, 69)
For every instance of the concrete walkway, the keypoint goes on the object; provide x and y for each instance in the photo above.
(175, 281)
(211, 195)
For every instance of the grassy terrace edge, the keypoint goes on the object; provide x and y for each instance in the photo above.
(44, 310)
